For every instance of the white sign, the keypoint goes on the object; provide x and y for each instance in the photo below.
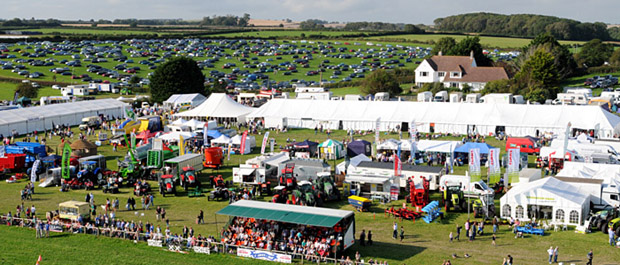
(377, 127)
(202, 250)
(474, 161)
(412, 130)
(264, 255)
(154, 243)
(158, 144)
(262, 147)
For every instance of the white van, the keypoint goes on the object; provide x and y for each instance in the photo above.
(470, 189)
(441, 96)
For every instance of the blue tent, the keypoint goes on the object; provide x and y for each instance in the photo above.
(214, 134)
(484, 147)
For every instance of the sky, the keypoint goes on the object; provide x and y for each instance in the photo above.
(395, 11)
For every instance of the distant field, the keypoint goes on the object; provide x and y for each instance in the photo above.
(95, 31)
(491, 42)
(7, 91)
(283, 34)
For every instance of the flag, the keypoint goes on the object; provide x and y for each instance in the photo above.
(2, 151)
(494, 170)
(514, 157)
(412, 130)
(229, 149)
(243, 138)
(204, 133)
(129, 114)
(474, 163)
(262, 148)
(33, 172)
(397, 165)
(181, 145)
(66, 157)
(377, 127)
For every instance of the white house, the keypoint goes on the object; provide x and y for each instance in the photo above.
(456, 71)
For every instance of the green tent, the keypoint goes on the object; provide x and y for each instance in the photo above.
(24, 101)
(331, 149)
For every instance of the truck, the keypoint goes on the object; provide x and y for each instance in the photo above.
(90, 122)
(425, 96)
(526, 144)
(456, 97)
(603, 193)
(441, 96)
(259, 169)
(483, 196)
(175, 165)
(497, 98)
(30, 149)
(472, 98)
(382, 96)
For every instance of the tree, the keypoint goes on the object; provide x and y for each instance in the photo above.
(472, 44)
(410, 28)
(539, 77)
(381, 81)
(178, 75)
(594, 53)
(615, 58)
(133, 24)
(27, 90)
(563, 59)
(444, 45)
(134, 80)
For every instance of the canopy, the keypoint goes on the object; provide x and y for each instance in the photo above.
(331, 149)
(295, 214)
(353, 162)
(194, 124)
(218, 105)
(549, 192)
(439, 117)
(184, 99)
(389, 144)
(437, 146)
(484, 147)
(176, 136)
(250, 140)
(179, 121)
(307, 144)
(223, 139)
(359, 147)
(214, 133)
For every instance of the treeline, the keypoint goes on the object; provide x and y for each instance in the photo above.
(523, 25)
(381, 26)
(228, 20)
(16, 22)
(148, 22)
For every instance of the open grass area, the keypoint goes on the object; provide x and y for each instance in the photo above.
(95, 31)
(423, 244)
(487, 42)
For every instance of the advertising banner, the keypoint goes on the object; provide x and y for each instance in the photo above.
(264, 255)
(243, 138)
(494, 168)
(512, 169)
(262, 147)
(474, 164)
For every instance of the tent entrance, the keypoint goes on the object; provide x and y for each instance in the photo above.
(471, 129)
(404, 126)
(539, 211)
(500, 130)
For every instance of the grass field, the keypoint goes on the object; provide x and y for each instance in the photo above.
(96, 31)
(487, 42)
(283, 34)
(424, 243)
(7, 91)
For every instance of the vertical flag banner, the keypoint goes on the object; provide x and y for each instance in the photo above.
(243, 138)
(205, 129)
(181, 145)
(494, 169)
(377, 127)
(264, 145)
(272, 142)
(474, 164)
(514, 159)
(397, 163)
(229, 149)
(412, 130)
(2, 151)
(66, 156)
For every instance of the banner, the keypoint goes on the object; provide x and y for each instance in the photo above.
(397, 163)
(154, 243)
(264, 145)
(512, 169)
(394, 190)
(264, 255)
(377, 127)
(412, 130)
(272, 143)
(33, 172)
(229, 149)
(474, 164)
(494, 169)
(66, 156)
(205, 129)
(2, 151)
(243, 138)
(133, 140)
(129, 114)
(202, 250)
(181, 145)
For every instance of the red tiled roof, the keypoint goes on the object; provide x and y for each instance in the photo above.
(464, 64)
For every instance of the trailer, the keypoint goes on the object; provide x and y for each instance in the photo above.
(32, 150)
(176, 164)
(259, 169)
(12, 162)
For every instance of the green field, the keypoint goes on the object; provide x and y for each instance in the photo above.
(96, 31)
(424, 243)
(283, 34)
(487, 42)
(7, 91)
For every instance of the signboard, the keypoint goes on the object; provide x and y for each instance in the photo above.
(155, 243)
(158, 144)
(412, 130)
(394, 190)
(263, 255)
(66, 156)
(514, 158)
(377, 127)
(494, 169)
(243, 139)
(202, 250)
(262, 147)
(474, 164)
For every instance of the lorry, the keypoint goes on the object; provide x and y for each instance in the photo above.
(526, 144)
(382, 96)
(90, 122)
(456, 97)
(472, 98)
(497, 98)
(259, 169)
(425, 96)
(441, 96)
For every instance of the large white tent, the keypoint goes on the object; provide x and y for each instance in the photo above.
(218, 105)
(184, 99)
(41, 118)
(556, 200)
(460, 118)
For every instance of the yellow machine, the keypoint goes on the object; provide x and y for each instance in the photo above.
(71, 210)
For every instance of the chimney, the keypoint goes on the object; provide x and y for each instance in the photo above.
(440, 53)
(471, 54)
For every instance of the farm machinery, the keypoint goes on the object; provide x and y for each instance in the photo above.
(326, 189)
(453, 198)
(166, 185)
(188, 178)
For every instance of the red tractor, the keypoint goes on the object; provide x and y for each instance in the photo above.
(287, 179)
(189, 178)
(217, 181)
(166, 185)
(419, 193)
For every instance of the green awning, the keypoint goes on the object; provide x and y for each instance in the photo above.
(295, 214)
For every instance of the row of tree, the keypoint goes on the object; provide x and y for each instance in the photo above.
(17, 22)
(381, 26)
(229, 20)
(522, 25)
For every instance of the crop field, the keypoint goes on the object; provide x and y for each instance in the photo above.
(96, 31)
(284, 34)
(423, 243)
(486, 41)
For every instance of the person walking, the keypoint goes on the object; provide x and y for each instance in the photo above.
(395, 232)
(612, 236)
(451, 236)
(201, 217)
(458, 232)
(363, 238)
(550, 252)
(493, 242)
(509, 260)
(369, 242)
(590, 256)
(555, 255)
(402, 233)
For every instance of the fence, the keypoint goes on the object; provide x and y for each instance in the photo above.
(172, 243)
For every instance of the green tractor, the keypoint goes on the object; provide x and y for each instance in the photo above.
(304, 194)
(129, 171)
(454, 199)
(602, 218)
(614, 224)
(326, 189)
